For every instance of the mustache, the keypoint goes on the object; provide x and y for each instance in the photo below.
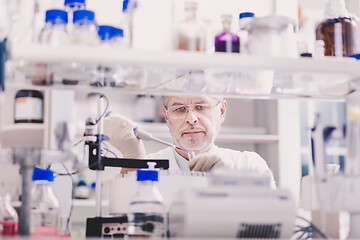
(192, 127)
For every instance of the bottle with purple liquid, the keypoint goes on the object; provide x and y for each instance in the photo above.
(227, 41)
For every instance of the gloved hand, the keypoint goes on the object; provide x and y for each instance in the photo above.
(120, 131)
(206, 161)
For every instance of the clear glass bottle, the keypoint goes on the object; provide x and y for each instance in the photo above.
(244, 19)
(146, 217)
(226, 41)
(53, 33)
(44, 213)
(338, 30)
(70, 7)
(8, 217)
(85, 30)
(190, 32)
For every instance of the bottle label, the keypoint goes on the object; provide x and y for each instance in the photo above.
(145, 225)
(10, 228)
(43, 223)
(28, 108)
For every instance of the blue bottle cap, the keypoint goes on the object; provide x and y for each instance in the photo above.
(356, 56)
(56, 16)
(72, 3)
(43, 174)
(105, 32)
(246, 14)
(83, 15)
(118, 32)
(147, 175)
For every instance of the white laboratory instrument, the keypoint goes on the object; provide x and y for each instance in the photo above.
(232, 212)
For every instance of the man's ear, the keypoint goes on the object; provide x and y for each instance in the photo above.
(163, 112)
(223, 107)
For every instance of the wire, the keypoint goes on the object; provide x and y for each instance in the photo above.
(309, 230)
(72, 198)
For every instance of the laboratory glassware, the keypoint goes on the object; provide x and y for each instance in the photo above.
(337, 30)
(190, 33)
(244, 19)
(8, 217)
(146, 217)
(226, 41)
(53, 33)
(44, 213)
(29, 106)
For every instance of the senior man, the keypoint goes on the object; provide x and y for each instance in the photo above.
(194, 124)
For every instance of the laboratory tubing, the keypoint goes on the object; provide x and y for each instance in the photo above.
(8, 217)
(44, 213)
(29, 107)
(227, 41)
(337, 30)
(190, 32)
(244, 19)
(146, 217)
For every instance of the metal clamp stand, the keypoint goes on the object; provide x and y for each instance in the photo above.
(94, 226)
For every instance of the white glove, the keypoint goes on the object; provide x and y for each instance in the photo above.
(120, 131)
(206, 161)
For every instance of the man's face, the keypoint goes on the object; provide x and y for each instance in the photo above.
(193, 128)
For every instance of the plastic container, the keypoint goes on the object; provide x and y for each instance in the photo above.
(227, 41)
(44, 213)
(190, 32)
(244, 19)
(146, 217)
(337, 30)
(29, 107)
(8, 217)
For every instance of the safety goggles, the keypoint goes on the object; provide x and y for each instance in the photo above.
(180, 111)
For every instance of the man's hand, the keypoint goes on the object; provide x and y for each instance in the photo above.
(120, 131)
(206, 161)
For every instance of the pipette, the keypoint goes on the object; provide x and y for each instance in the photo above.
(142, 135)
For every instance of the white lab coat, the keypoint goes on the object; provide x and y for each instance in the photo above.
(236, 159)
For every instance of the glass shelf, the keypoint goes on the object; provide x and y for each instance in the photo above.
(193, 73)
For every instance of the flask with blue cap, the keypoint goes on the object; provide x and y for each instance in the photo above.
(44, 213)
(54, 32)
(146, 215)
(85, 30)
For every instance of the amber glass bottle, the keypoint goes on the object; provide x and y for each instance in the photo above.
(338, 30)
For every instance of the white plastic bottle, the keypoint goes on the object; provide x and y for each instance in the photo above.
(146, 217)
(44, 213)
